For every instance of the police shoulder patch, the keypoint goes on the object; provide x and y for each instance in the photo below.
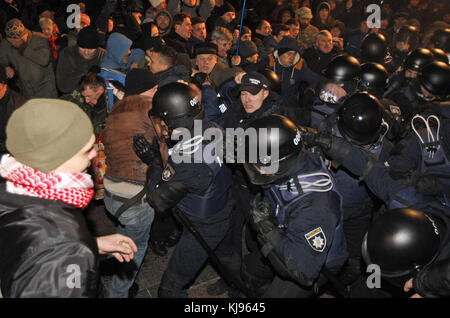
(316, 239)
(168, 173)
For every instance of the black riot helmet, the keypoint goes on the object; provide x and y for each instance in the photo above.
(360, 119)
(274, 80)
(408, 35)
(341, 79)
(441, 39)
(373, 78)
(277, 147)
(439, 55)
(373, 48)
(418, 58)
(435, 77)
(401, 241)
(177, 105)
(342, 68)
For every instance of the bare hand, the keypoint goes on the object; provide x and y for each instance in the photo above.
(9, 72)
(408, 286)
(183, 82)
(134, 65)
(120, 246)
(238, 77)
(236, 60)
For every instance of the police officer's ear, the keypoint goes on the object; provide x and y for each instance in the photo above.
(266, 93)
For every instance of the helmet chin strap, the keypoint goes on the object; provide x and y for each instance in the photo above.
(380, 139)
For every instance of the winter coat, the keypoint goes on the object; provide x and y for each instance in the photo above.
(202, 8)
(72, 66)
(9, 103)
(128, 118)
(116, 47)
(33, 67)
(46, 249)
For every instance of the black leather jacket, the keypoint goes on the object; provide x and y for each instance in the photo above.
(46, 249)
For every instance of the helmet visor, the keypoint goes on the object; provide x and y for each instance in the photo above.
(332, 92)
(260, 174)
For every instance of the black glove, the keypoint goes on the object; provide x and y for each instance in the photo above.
(260, 215)
(335, 148)
(201, 77)
(148, 153)
(309, 95)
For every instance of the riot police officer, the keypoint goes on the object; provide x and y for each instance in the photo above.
(441, 40)
(404, 41)
(360, 121)
(199, 186)
(374, 49)
(408, 242)
(439, 55)
(341, 78)
(374, 79)
(416, 60)
(298, 221)
(431, 85)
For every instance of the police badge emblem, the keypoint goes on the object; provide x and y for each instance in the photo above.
(316, 239)
(168, 173)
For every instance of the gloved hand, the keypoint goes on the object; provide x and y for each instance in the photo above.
(260, 214)
(309, 95)
(335, 148)
(148, 153)
(312, 138)
(201, 77)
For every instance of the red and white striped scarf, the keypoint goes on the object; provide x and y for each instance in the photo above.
(76, 189)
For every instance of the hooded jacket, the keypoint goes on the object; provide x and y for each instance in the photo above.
(328, 23)
(163, 32)
(292, 76)
(116, 47)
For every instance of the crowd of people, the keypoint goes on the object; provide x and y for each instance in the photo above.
(360, 102)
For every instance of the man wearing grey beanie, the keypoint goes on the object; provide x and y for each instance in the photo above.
(47, 249)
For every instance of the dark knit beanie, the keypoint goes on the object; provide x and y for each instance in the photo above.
(205, 48)
(153, 43)
(139, 81)
(247, 49)
(88, 38)
(283, 50)
(226, 7)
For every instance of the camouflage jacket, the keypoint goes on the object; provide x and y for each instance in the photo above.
(97, 113)
(307, 37)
